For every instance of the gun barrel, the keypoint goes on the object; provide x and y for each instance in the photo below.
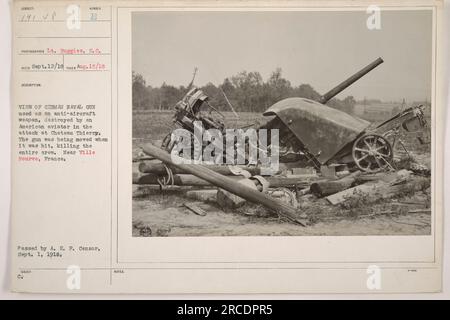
(346, 83)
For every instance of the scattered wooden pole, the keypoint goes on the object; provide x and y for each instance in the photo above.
(227, 183)
(160, 169)
(195, 209)
(178, 180)
(191, 180)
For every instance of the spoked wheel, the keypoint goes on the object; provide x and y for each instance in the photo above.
(372, 153)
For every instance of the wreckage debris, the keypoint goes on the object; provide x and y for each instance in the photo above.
(161, 169)
(374, 191)
(370, 186)
(192, 180)
(325, 154)
(227, 184)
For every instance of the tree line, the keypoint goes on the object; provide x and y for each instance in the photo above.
(245, 91)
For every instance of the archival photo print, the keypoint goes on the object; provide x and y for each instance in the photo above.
(282, 123)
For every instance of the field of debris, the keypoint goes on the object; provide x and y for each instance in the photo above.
(392, 203)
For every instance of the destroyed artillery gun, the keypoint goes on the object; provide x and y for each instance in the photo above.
(327, 136)
(194, 107)
(314, 133)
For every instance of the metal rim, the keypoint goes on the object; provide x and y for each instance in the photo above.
(372, 153)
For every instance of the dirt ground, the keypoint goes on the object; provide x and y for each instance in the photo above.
(162, 213)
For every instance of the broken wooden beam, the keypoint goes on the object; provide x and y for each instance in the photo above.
(327, 187)
(226, 183)
(195, 209)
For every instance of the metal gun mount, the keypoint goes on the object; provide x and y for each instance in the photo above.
(323, 135)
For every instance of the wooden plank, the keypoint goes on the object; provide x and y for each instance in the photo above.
(195, 209)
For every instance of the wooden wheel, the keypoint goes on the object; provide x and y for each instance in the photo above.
(372, 153)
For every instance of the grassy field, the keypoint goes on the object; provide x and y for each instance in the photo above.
(155, 124)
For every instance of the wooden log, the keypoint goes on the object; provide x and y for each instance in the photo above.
(228, 200)
(178, 180)
(380, 190)
(325, 188)
(143, 159)
(205, 195)
(355, 191)
(332, 187)
(159, 169)
(227, 183)
(191, 180)
(298, 182)
(384, 176)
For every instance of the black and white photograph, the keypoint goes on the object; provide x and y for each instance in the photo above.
(282, 123)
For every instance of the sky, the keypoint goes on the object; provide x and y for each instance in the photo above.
(319, 48)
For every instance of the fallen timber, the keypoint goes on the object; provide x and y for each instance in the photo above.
(227, 170)
(160, 169)
(327, 187)
(330, 187)
(192, 180)
(178, 180)
(380, 190)
(228, 184)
